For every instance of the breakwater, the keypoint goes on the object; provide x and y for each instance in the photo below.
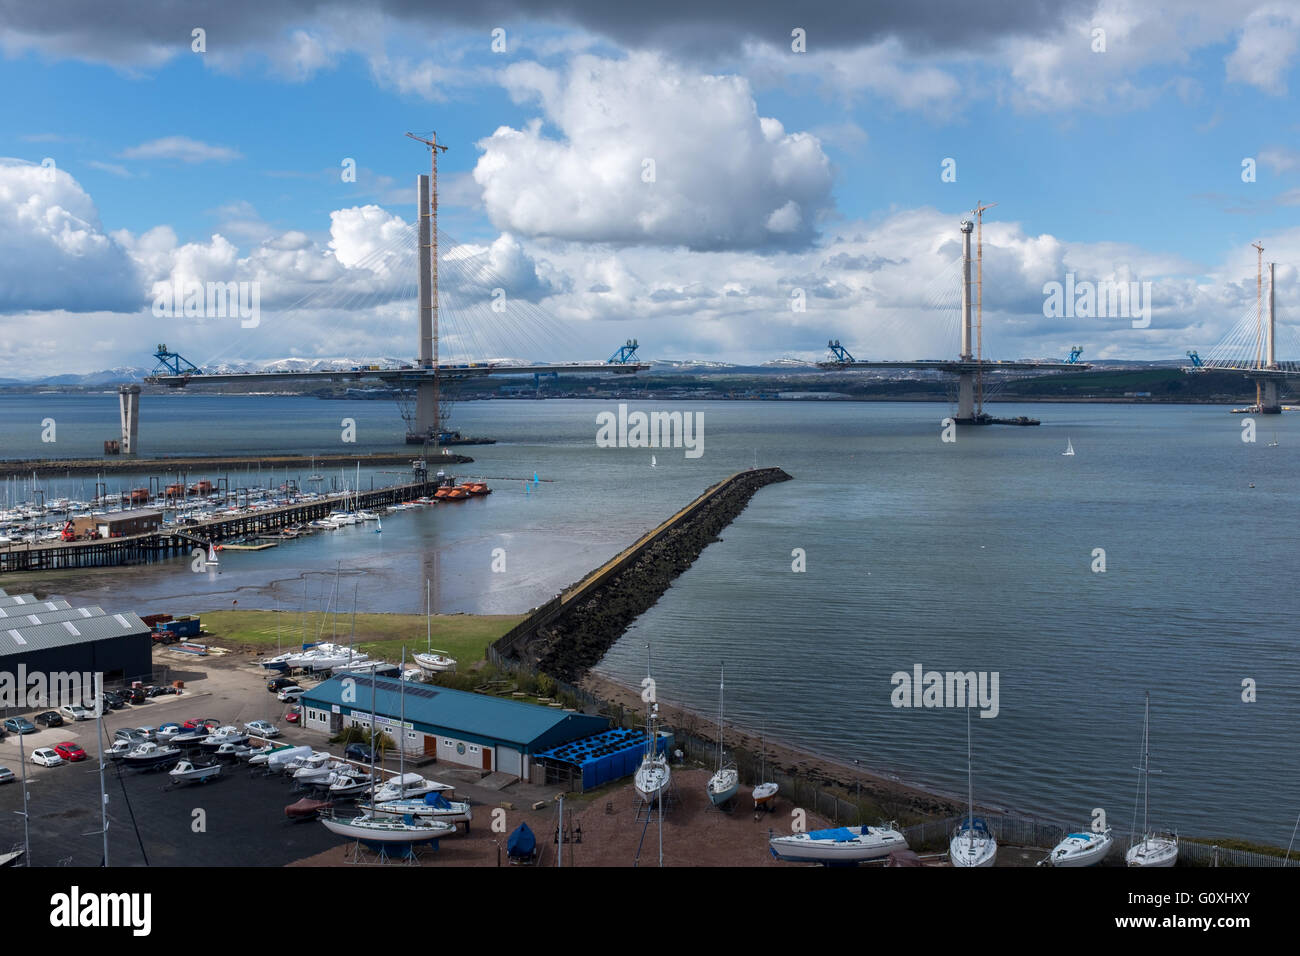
(184, 463)
(571, 632)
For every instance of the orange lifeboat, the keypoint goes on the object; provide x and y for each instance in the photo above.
(443, 492)
(477, 488)
(456, 494)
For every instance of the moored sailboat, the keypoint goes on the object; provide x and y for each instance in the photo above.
(725, 781)
(972, 844)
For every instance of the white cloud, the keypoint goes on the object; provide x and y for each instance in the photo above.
(1265, 48)
(718, 172)
(181, 148)
(54, 251)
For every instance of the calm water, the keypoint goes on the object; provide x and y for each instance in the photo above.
(968, 556)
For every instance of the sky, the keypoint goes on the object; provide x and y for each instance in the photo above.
(731, 182)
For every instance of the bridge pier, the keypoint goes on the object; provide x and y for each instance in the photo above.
(1269, 404)
(965, 398)
(128, 398)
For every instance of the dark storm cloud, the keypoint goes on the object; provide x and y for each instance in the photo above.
(145, 31)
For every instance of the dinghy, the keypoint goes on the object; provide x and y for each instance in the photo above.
(1081, 849)
(837, 845)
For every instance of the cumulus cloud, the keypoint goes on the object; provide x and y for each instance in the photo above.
(1265, 48)
(651, 153)
(53, 249)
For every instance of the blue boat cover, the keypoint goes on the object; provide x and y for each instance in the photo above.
(838, 834)
(521, 842)
(437, 801)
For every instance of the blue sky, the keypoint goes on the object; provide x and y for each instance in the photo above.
(1122, 163)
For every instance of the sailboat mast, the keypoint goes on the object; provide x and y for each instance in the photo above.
(401, 729)
(722, 679)
(103, 794)
(970, 787)
(1146, 765)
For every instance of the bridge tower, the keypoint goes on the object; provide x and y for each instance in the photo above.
(965, 380)
(428, 407)
(1266, 385)
(128, 399)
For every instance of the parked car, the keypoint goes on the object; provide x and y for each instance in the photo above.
(292, 692)
(293, 715)
(135, 695)
(20, 725)
(75, 712)
(262, 728)
(69, 751)
(131, 735)
(277, 684)
(49, 719)
(168, 731)
(357, 752)
(46, 757)
(198, 722)
(160, 690)
(114, 699)
(6, 775)
(149, 734)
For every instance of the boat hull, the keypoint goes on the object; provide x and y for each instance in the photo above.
(652, 779)
(1081, 849)
(822, 846)
(388, 833)
(1153, 852)
(723, 786)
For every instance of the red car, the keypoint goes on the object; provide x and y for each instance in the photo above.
(69, 751)
(293, 715)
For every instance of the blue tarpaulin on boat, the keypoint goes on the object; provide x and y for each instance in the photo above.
(521, 842)
(838, 834)
(437, 801)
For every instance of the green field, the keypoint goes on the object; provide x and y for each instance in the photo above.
(464, 636)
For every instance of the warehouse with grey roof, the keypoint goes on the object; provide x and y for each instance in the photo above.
(44, 637)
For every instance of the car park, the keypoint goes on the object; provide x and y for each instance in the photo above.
(75, 712)
(49, 719)
(20, 725)
(69, 751)
(46, 757)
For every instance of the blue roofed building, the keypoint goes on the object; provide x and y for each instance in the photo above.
(451, 726)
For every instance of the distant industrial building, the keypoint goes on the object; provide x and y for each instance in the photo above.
(48, 637)
(451, 726)
(118, 524)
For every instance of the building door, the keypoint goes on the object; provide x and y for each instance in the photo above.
(431, 746)
(487, 758)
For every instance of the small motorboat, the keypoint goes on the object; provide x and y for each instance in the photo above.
(408, 785)
(349, 782)
(1081, 849)
(435, 662)
(251, 754)
(842, 845)
(149, 755)
(521, 846)
(189, 772)
(433, 806)
(12, 857)
(224, 735)
(229, 751)
(317, 770)
(307, 808)
(120, 749)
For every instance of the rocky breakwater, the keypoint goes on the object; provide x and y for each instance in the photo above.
(571, 637)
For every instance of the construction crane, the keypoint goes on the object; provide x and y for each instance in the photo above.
(1074, 355)
(1196, 359)
(173, 363)
(978, 213)
(626, 353)
(1259, 321)
(840, 352)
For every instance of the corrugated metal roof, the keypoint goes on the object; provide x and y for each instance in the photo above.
(127, 515)
(460, 713)
(28, 616)
(16, 638)
(26, 603)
